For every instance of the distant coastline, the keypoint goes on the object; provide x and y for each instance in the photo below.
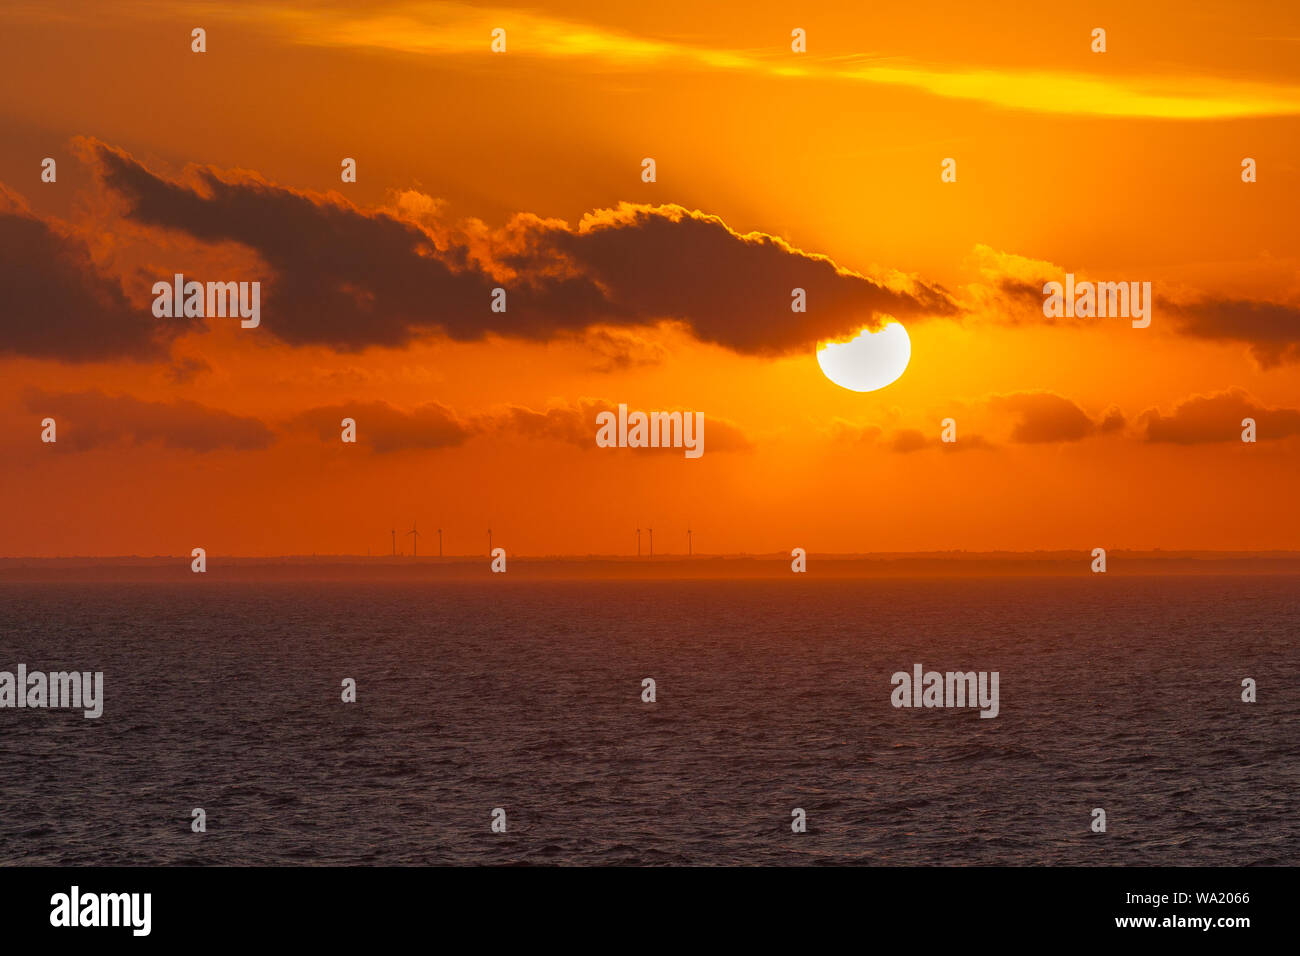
(703, 567)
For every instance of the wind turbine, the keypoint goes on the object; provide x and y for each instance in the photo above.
(638, 542)
(652, 542)
(415, 542)
(489, 542)
(689, 549)
(440, 542)
(394, 542)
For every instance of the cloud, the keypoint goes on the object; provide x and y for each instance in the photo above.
(444, 29)
(1036, 417)
(1112, 421)
(852, 433)
(349, 278)
(1272, 330)
(1009, 290)
(57, 304)
(730, 288)
(908, 440)
(386, 428)
(1042, 417)
(575, 423)
(92, 419)
(340, 276)
(184, 371)
(1048, 417)
(904, 440)
(617, 350)
(1218, 417)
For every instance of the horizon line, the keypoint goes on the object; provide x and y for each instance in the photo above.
(949, 553)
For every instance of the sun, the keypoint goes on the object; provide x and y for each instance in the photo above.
(869, 361)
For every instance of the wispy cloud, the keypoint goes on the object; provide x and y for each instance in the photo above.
(454, 29)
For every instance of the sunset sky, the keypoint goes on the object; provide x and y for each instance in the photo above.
(522, 169)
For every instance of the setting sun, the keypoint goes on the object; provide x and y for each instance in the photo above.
(869, 361)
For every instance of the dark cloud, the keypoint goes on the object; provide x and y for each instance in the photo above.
(906, 440)
(1048, 417)
(349, 278)
(576, 424)
(843, 431)
(92, 419)
(183, 371)
(339, 276)
(1037, 417)
(1112, 421)
(1024, 299)
(1218, 417)
(731, 289)
(1272, 330)
(387, 429)
(54, 303)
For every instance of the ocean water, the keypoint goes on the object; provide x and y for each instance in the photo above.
(1119, 693)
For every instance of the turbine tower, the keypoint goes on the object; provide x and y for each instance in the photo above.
(652, 542)
(394, 542)
(689, 547)
(638, 542)
(489, 542)
(440, 542)
(415, 541)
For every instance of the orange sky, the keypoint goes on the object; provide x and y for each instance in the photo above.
(1117, 166)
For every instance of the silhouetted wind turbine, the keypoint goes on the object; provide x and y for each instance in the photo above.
(489, 542)
(440, 542)
(394, 542)
(415, 542)
(689, 548)
(638, 542)
(652, 542)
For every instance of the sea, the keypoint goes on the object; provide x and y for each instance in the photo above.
(522, 701)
